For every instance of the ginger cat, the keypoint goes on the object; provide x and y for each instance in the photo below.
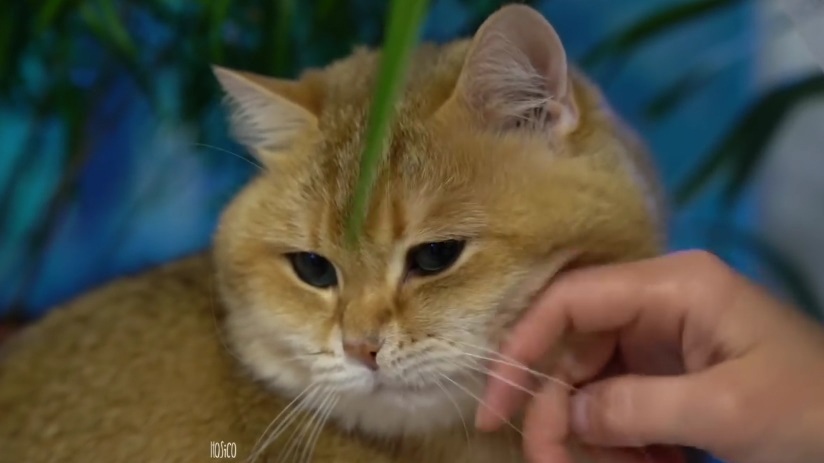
(504, 163)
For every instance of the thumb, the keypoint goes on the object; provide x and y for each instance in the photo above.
(634, 411)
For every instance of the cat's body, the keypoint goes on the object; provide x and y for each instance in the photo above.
(138, 372)
(504, 164)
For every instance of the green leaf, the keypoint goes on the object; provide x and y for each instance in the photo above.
(48, 13)
(104, 23)
(115, 31)
(743, 148)
(283, 37)
(334, 32)
(326, 7)
(681, 90)
(405, 19)
(7, 32)
(15, 42)
(652, 26)
(218, 15)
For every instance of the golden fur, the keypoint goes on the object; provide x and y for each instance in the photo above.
(497, 142)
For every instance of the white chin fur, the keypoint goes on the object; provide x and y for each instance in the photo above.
(386, 411)
(380, 412)
(392, 412)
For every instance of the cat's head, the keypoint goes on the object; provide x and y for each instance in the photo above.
(504, 164)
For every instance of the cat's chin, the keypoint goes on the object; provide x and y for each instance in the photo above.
(383, 409)
(368, 403)
(394, 411)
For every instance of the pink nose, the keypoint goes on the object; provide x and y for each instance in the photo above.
(365, 352)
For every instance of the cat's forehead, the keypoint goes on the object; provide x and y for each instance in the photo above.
(424, 189)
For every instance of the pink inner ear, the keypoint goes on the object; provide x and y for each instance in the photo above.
(526, 32)
(516, 72)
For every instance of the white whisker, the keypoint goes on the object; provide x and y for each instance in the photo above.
(313, 439)
(297, 434)
(480, 402)
(487, 371)
(223, 150)
(315, 421)
(457, 408)
(255, 450)
(505, 360)
(291, 416)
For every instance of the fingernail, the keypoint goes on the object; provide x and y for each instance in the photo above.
(580, 413)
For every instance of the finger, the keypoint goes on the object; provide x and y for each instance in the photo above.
(598, 299)
(610, 297)
(491, 415)
(635, 411)
(583, 360)
(506, 384)
(546, 436)
(546, 426)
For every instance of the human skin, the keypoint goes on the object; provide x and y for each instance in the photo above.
(709, 360)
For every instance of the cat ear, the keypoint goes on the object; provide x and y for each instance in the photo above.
(266, 114)
(515, 74)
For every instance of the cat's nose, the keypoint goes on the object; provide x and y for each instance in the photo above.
(363, 351)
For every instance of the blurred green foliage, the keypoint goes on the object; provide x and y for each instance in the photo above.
(45, 70)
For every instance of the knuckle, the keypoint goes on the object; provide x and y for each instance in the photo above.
(707, 275)
(620, 408)
(703, 262)
(610, 406)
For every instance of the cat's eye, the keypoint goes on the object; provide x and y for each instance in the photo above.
(431, 258)
(313, 269)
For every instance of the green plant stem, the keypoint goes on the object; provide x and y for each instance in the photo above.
(405, 18)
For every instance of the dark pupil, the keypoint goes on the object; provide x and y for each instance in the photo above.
(314, 269)
(431, 258)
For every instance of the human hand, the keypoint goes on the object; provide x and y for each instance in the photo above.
(711, 361)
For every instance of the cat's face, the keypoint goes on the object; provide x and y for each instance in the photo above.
(485, 190)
